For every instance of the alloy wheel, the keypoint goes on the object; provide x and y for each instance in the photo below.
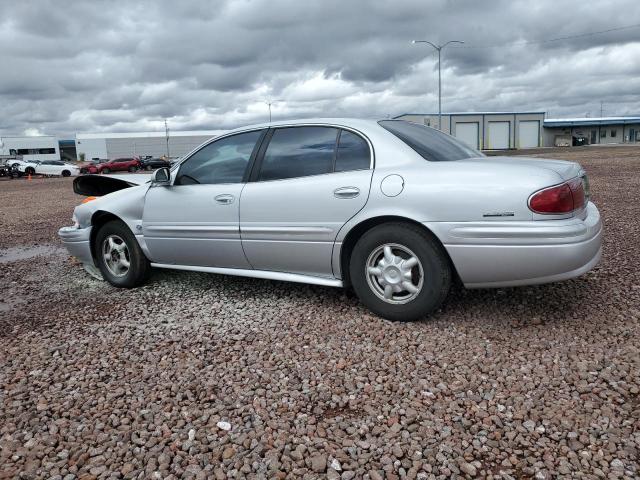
(394, 273)
(116, 255)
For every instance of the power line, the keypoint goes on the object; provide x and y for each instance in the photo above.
(549, 40)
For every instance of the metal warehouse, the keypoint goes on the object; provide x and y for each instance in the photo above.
(487, 130)
(156, 144)
(602, 130)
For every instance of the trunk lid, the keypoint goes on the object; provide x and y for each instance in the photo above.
(566, 170)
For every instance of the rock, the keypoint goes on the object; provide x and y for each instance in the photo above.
(318, 463)
(222, 425)
(375, 475)
(616, 465)
(468, 469)
(228, 453)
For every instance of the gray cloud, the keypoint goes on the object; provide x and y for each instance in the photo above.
(117, 65)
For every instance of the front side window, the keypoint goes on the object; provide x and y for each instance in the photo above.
(353, 152)
(299, 152)
(430, 143)
(223, 161)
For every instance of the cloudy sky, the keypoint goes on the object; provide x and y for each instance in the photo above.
(108, 65)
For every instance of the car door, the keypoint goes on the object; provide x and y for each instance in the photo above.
(308, 181)
(195, 221)
(46, 167)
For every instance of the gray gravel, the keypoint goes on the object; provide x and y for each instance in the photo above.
(203, 376)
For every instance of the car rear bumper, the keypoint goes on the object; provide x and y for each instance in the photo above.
(509, 254)
(78, 242)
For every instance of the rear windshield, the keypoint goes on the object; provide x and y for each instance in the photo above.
(430, 143)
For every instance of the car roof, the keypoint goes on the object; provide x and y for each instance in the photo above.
(356, 123)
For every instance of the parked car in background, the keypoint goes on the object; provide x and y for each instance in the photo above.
(53, 167)
(150, 163)
(394, 209)
(20, 165)
(130, 164)
(84, 167)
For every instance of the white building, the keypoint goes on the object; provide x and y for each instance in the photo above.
(119, 145)
(487, 130)
(31, 148)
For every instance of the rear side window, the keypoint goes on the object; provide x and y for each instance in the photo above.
(223, 161)
(430, 143)
(353, 152)
(299, 152)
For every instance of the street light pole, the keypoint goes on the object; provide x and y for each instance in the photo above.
(271, 102)
(439, 50)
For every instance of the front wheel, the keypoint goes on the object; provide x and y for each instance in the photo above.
(105, 170)
(132, 169)
(120, 259)
(400, 272)
(30, 171)
(66, 173)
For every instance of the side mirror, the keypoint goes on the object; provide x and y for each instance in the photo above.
(161, 176)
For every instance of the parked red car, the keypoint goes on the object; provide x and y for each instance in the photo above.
(117, 165)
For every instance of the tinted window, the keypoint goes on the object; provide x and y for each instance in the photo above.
(223, 161)
(299, 152)
(353, 152)
(430, 143)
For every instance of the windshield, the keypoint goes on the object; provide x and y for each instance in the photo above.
(430, 143)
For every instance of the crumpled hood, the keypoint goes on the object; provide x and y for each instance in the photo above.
(100, 185)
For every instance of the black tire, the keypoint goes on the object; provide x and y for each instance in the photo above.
(66, 173)
(139, 267)
(431, 255)
(30, 171)
(132, 169)
(148, 167)
(105, 170)
(84, 171)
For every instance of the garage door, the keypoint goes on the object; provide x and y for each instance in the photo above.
(498, 135)
(468, 133)
(529, 134)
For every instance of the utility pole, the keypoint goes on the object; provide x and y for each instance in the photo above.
(166, 135)
(439, 49)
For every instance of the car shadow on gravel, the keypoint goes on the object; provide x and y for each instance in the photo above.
(523, 306)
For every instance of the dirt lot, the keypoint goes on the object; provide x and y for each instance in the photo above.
(200, 376)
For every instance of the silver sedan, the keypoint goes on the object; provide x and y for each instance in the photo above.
(392, 209)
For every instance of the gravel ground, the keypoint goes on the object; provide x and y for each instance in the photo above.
(203, 376)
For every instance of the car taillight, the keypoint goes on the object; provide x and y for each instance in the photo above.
(563, 198)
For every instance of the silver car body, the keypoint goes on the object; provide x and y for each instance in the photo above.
(295, 229)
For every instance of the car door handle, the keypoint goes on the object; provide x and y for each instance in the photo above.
(346, 192)
(225, 199)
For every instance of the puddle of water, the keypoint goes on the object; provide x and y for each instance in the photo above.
(15, 254)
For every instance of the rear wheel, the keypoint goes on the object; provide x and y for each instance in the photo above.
(132, 169)
(66, 173)
(400, 272)
(120, 259)
(105, 170)
(29, 170)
